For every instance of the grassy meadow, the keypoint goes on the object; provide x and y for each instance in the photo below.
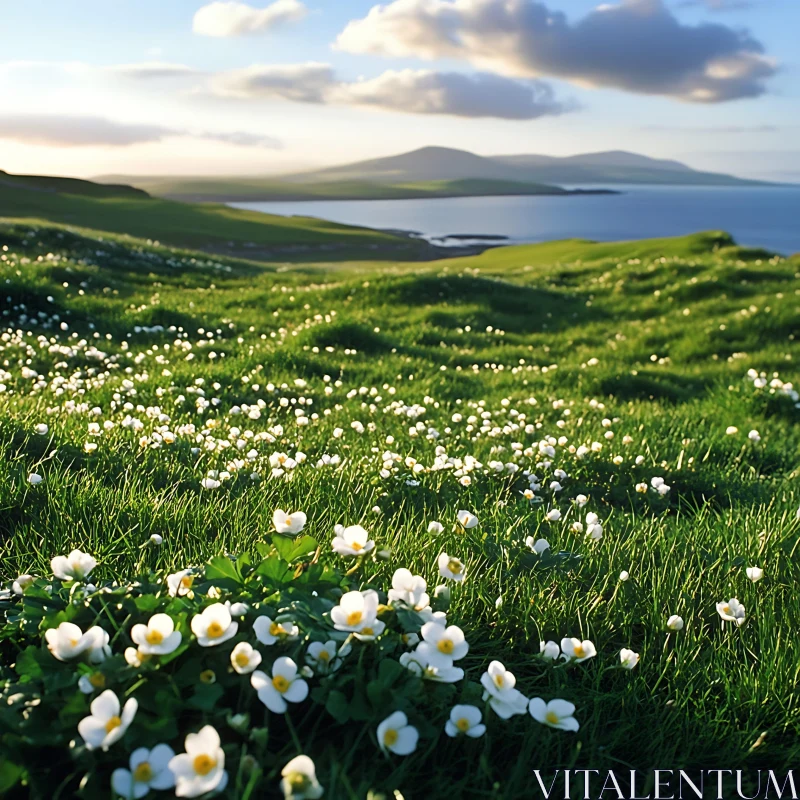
(631, 404)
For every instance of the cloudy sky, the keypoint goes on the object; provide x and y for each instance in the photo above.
(90, 87)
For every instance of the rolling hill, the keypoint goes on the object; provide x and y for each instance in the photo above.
(212, 227)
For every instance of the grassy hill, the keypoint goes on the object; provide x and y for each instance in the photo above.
(213, 227)
(165, 392)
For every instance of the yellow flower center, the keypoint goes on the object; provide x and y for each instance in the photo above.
(552, 717)
(154, 637)
(242, 659)
(390, 737)
(98, 680)
(280, 683)
(324, 655)
(354, 617)
(357, 546)
(74, 642)
(113, 723)
(143, 773)
(207, 676)
(276, 629)
(215, 630)
(445, 646)
(203, 764)
(187, 581)
(367, 632)
(499, 680)
(726, 608)
(454, 565)
(579, 651)
(463, 725)
(298, 782)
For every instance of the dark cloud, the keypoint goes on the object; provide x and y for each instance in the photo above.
(409, 91)
(634, 45)
(63, 130)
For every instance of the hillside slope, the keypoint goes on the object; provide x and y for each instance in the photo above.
(216, 228)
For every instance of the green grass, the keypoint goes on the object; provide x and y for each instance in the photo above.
(214, 227)
(242, 189)
(656, 337)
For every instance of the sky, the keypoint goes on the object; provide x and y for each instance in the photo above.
(186, 87)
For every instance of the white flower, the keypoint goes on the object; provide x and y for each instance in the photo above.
(641, 488)
(732, 611)
(754, 573)
(675, 623)
(180, 583)
(754, 436)
(106, 724)
(214, 626)
(244, 658)
(731, 429)
(158, 637)
(209, 483)
(537, 545)
(409, 589)
(282, 688)
(451, 567)
(22, 583)
(395, 734)
(157, 539)
(134, 658)
(268, 632)
(549, 650)
(352, 541)
(442, 646)
(577, 650)
(41, 429)
(555, 714)
(299, 780)
(74, 567)
(465, 720)
(435, 528)
(554, 515)
(466, 519)
(149, 769)
(418, 663)
(34, 479)
(357, 613)
(593, 526)
(324, 658)
(628, 659)
(68, 641)
(288, 523)
(89, 684)
(624, 575)
(499, 685)
(201, 768)
(99, 649)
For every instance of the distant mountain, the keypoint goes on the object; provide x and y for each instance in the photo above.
(444, 163)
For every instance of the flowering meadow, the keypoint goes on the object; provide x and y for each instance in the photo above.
(367, 530)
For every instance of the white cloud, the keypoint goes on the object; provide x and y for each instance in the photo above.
(147, 70)
(409, 91)
(231, 18)
(634, 45)
(429, 92)
(64, 130)
(302, 83)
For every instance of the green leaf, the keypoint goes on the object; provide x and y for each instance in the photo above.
(274, 569)
(338, 706)
(221, 567)
(206, 696)
(292, 549)
(28, 664)
(10, 773)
